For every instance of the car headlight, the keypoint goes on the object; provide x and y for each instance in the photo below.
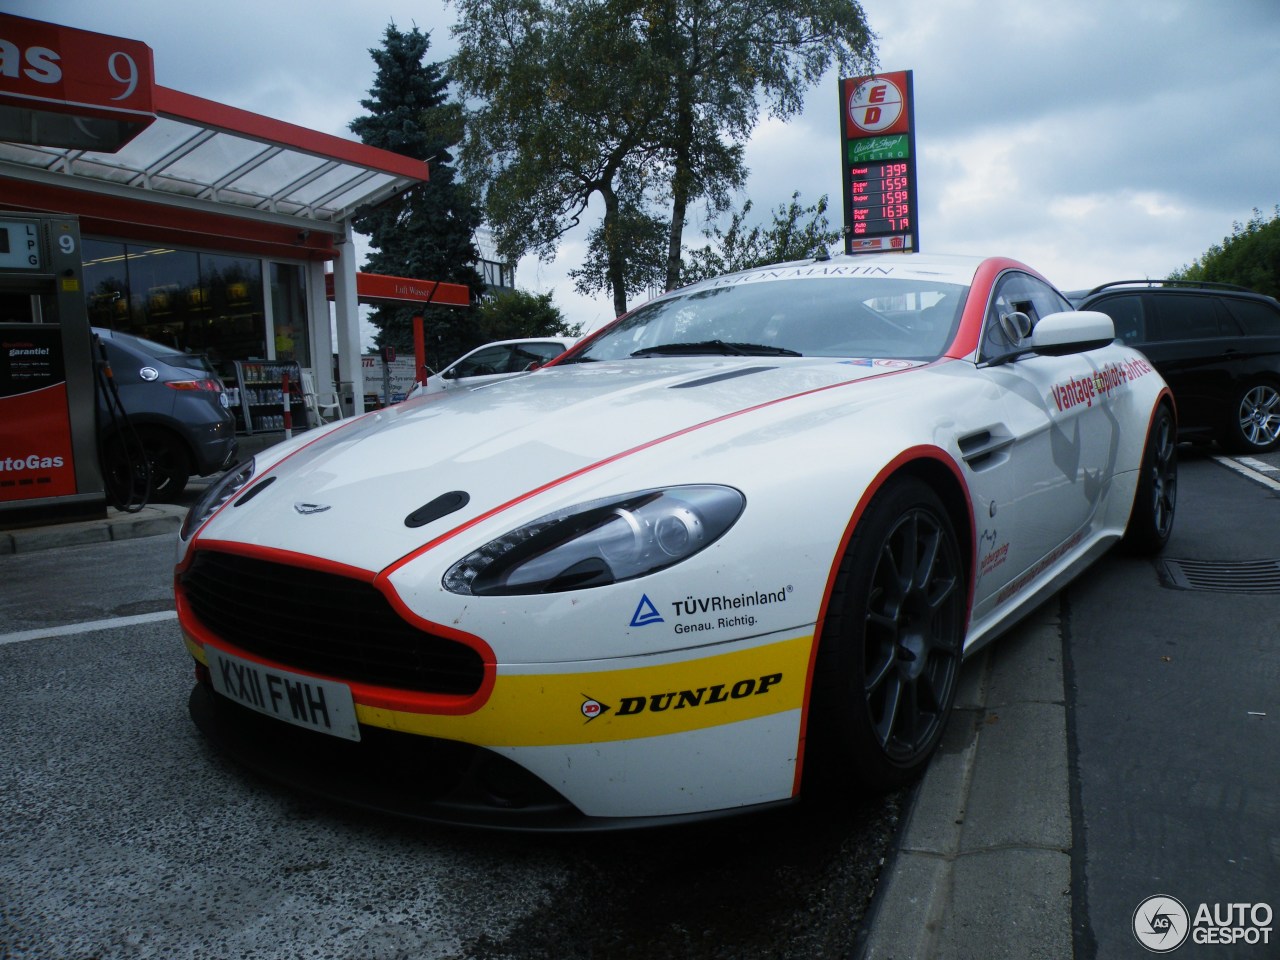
(600, 542)
(215, 495)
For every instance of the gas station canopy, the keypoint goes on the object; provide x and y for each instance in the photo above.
(201, 152)
(109, 143)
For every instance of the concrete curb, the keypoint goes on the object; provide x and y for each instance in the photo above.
(155, 519)
(152, 520)
(983, 866)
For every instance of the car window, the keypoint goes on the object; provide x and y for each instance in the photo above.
(1128, 314)
(766, 314)
(544, 351)
(1017, 292)
(1256, 317)
(170, 355)
(1181, 316)
(482, 363)
(524, 354)
(124, 364)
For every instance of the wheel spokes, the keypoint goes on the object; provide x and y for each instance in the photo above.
(1259, 418)
(911, 642)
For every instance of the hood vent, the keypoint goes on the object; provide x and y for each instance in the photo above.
(441, 506)
(717, 377)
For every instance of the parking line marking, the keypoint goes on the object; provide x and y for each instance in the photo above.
(1247, 471)
(1258, 465)
(89, 626)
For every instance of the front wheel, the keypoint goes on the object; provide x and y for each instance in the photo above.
(1254, 424)
(889, 655)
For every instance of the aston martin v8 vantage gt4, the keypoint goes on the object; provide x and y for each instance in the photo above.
(732, 546)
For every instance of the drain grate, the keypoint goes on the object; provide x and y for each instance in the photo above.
(1246, 576)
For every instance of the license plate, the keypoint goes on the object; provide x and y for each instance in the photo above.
(304, 701)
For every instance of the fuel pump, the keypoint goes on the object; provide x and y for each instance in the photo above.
(49, 468)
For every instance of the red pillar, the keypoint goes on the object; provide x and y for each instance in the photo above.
(419, 350)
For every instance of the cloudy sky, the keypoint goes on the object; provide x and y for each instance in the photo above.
(1095, 139)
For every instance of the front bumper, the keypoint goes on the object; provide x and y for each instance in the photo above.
(406, 775)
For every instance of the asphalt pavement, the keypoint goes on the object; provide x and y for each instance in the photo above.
(1109, 784)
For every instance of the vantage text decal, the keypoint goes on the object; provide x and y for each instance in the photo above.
(1085, 389)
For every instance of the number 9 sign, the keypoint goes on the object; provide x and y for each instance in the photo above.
(74, 71)
(123, 69)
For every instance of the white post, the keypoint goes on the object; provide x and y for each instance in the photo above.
(347, 311)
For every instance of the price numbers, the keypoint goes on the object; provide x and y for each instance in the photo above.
(881, 198)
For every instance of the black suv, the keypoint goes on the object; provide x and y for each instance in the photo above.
(1217, 346)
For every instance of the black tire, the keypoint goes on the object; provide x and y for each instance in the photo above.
(169, 462)
(124, 472)
(889, 656)
(1254, 423)
(1156, 500)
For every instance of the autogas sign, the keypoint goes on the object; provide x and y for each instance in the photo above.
(878, 159)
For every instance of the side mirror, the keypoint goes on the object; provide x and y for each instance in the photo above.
(1015, 326)
(1072, 331)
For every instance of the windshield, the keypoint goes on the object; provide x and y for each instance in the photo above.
(909, 318)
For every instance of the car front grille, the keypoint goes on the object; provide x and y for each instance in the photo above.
(323, 623)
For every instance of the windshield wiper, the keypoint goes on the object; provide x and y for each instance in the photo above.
(716, 347)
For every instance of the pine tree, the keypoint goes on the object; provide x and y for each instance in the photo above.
(426, 233)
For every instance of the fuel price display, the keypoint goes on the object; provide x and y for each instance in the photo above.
(880, 198)
(877, 154)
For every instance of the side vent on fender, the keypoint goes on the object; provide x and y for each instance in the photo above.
(984, 448)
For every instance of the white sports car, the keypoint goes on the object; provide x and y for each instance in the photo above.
(788, 503)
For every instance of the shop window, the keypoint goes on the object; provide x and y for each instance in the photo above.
(289, 312)
(164, 297)
(235, 326)
(197, 302)
(106, 283)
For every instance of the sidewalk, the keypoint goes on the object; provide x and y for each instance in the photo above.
(155, 519)
(982, 868)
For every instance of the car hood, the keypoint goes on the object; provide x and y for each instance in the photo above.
(345, 496)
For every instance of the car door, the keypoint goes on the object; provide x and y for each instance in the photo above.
(1039, 496)
(1197, 347)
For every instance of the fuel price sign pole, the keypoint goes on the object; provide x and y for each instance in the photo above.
(877, 143)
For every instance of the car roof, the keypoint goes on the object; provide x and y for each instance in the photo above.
(1193, 286)
(946, 267)
(503, 343)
